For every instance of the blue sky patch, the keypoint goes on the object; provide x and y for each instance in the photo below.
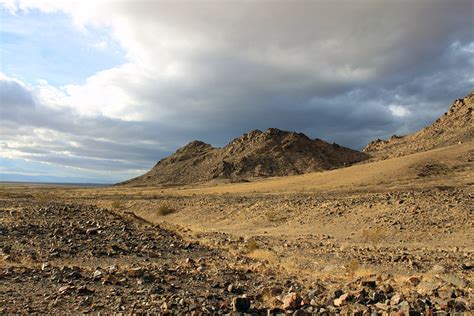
(36, 45)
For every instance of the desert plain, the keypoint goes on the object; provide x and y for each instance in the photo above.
(394, 236)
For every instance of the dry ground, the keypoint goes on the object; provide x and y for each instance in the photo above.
(392, 219)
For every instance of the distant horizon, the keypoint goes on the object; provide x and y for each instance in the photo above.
(99, 91)
(58, 183)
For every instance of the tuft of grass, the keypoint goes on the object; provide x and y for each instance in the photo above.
(251, 246)
(116, 205)
(44, 196)
(165, 209)
(374, 236)
(353, 267)
(197, 234)
(272, 216)
(264, 255)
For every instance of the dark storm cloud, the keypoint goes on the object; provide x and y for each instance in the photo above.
(267, 69)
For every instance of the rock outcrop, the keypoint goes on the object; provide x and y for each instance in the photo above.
(455, 126)
(256, 154)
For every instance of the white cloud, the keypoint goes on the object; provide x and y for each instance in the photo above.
(9, 5)
(398, 110)
(102, 45)
(106, 94)
(49, 96)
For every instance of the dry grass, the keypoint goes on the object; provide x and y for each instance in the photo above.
(374, 236)
(45, 196)
(272, 216)
(269, 299)
(251, 245)
(165, 209)
(264, 255)
(117, 205)
(353, 267)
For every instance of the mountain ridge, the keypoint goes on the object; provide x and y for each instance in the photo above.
(254, 154)
(454, 126)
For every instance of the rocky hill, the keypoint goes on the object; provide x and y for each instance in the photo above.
(453, 127)
(255, 154)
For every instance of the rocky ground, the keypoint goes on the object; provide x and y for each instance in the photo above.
(75, 257)
(59, 257)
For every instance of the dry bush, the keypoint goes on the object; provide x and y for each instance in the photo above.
(197, 234)
(151, 196)
(251, 246)
(353, 267)
(44, 197)
(116, 205)
(4, 193)
(272, 216)
(165, 209)
(264, 255)
(374, 236)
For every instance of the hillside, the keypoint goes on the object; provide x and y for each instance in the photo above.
(455, 126)
(255, 154)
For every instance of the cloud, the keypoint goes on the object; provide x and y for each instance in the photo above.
(37, 132)
(100, 45)
(343, 71)
(14, 94)
(398, 110)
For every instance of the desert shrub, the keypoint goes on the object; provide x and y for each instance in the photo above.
(117, 204)
(251, 245)
(352, 267)
(271, 216)
(44, 197)
(374, 235)
(4, 193)
(165, 209)
(196, 234)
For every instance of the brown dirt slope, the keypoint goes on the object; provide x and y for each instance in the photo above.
(255, 154)
(453, 127)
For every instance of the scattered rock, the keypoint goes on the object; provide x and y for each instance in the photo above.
(438, 269)
(97, 274)
(396, 299)
(342, 300)
(66, 289)
(241, 304)
(369, 283)
(413, 280)
(291, 301)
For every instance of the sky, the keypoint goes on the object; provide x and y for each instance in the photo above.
(99, 91)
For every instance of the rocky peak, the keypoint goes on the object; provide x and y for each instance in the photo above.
(454, 127)
(194, 146)
(271, 139)
(255, 154)
(462, 106)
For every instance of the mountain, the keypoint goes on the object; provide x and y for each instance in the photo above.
(455, 126)
(255, 154)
